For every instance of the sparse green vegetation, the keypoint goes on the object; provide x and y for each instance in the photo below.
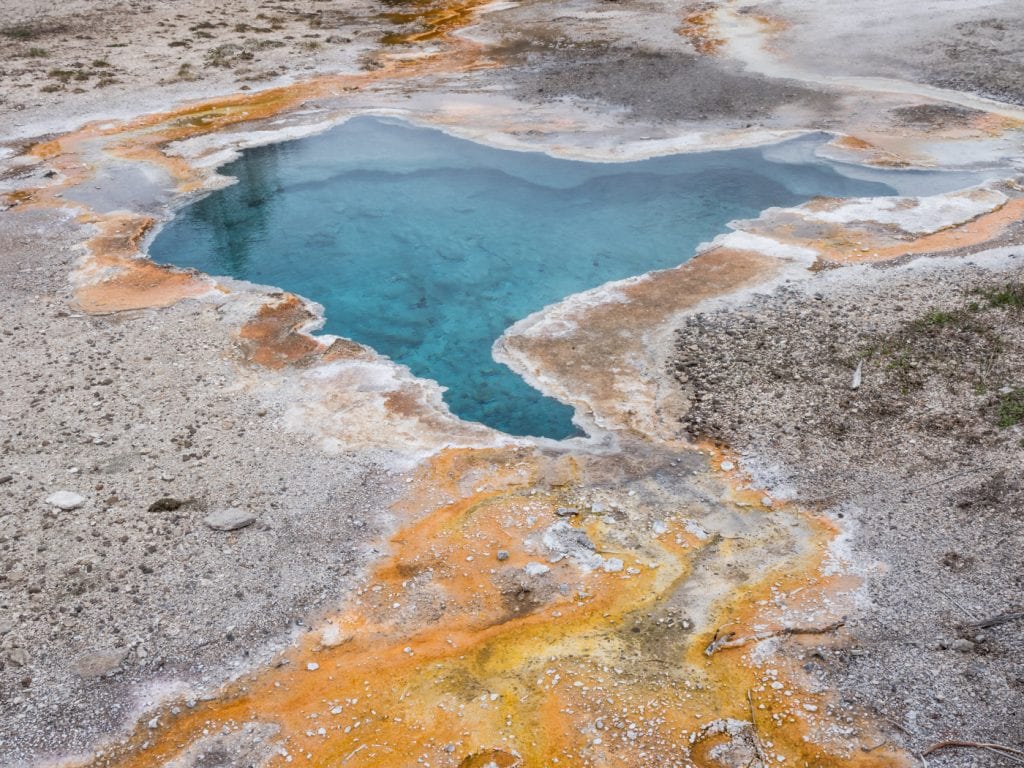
(31, 31)
(901, 364)
(276, 22)
(64, 75)
(1010, 296)
(19, 32)
(1011, 408)
(228, 55)
(967, 342)
(262, 45)
(37, 53)
(186, 73)
(963, 334)
(935, 320)
(101, 63)
(939, 317)
(243, 28)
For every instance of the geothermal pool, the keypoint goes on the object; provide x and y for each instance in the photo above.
(427, 247)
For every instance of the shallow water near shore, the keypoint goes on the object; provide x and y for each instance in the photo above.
(427, 247)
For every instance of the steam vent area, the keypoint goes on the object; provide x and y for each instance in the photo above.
(512, 384)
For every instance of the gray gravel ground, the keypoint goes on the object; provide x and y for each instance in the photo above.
(118, 593)
(663, 85)
(913, 463)
(968, 45)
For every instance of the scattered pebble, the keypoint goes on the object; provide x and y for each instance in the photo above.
(229, 520)
(66, 500)
(612, 565)
(535, 569)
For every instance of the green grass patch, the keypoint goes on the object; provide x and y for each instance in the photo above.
(19, 32)
(940, 317)
(31, 31)
(1011, 408)
(64, 75)
(1010, 296)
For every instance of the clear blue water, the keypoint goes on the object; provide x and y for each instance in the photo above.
(427, 247)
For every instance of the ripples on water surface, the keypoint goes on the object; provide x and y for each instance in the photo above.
(427, 247)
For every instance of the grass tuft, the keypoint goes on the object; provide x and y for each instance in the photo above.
(1011, 408)
(1010, 296)
(19, 32)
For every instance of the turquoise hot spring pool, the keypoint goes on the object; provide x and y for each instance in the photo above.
(426, 247)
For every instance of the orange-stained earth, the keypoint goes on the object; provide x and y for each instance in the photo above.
(476, 641)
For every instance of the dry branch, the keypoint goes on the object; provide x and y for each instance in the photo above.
(999, 749)
(729, 639)
(995, 621)
(757, 733)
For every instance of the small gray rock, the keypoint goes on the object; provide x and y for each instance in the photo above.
(229, 520)
(502, 555)
(566, 512)
(535, 569)
(562, 540)
(612, 565)
(98, 665)
(964, 646)
(66, 500)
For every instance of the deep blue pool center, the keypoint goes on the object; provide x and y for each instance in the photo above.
(427, 247)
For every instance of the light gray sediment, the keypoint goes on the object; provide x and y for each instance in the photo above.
(139, 413)
(913, 463)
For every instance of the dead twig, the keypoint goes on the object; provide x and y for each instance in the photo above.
(894, 724)
(999, 749)
(1006, 755)
(757, 732)
(995, 621)
(729, 639)
(354, 752)
(954, 476)
(959, 605)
